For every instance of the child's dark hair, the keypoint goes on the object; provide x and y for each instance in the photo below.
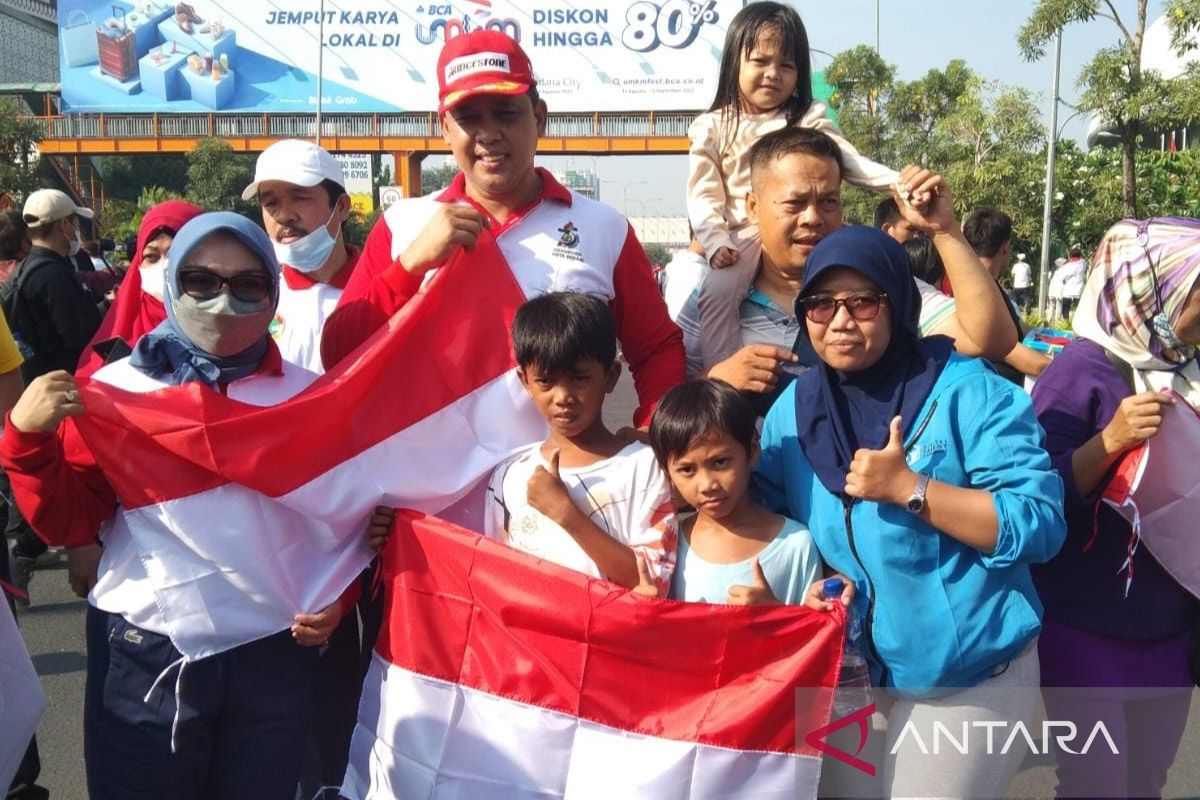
(556, 330)
(695, 410)
(745, 28)
(925, 260)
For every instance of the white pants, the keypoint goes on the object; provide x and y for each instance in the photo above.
(920, 753)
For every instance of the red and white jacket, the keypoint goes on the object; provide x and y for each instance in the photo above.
(561, 241)
(304, 306)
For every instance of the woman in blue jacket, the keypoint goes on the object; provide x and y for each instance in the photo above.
(923, 479)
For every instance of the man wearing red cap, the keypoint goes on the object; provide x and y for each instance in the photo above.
(551, 237)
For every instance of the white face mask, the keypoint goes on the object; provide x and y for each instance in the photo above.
(310, 253)
(76, 244)
(154, 276)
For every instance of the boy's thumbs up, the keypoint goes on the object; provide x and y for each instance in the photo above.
(553, 462)
(882, 475)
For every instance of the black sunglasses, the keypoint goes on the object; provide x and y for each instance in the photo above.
(203, 284)
(862, 307)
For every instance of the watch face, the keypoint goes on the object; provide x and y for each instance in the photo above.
(916, 504)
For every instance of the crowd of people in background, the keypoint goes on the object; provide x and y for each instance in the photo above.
(816, 398)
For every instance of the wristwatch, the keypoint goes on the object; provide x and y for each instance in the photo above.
(916, 502)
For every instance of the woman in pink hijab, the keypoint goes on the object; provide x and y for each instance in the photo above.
(138, 308)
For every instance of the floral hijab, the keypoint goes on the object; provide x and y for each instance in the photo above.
(1141, 276)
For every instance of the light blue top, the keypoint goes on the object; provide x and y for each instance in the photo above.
(939, 614)
(790, 563)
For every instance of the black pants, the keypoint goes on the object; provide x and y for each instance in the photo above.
(335, 709)
(232, 726)
(24, 785)
(26, 543)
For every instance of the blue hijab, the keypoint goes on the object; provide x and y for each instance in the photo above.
(839, 412)
(166, 352)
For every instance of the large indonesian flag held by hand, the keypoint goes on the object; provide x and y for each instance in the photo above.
(245, 515)
(498, 675)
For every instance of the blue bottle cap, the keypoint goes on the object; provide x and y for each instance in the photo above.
(832, 588)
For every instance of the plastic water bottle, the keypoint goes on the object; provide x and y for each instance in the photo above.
(854, 679)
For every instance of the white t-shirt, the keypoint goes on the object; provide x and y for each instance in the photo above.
(626, 495)
(1074, 274)
(1022, 275)
(299, 319)
(684, 273)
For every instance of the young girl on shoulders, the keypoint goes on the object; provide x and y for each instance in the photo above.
(764, 84)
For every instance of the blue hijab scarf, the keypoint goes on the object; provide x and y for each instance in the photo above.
(166, 352)
(839, 412)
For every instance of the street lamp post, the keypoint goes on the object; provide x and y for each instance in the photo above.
(1048, 201)
(320, 68)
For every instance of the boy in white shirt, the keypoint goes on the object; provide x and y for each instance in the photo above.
(584, 498)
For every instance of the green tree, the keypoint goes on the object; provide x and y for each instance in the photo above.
(435, 178)
(216, 176)
(18, 154)
(1113, 84)
(862, 83)
(125, 177)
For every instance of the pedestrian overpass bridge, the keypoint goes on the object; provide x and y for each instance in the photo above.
(409, 137)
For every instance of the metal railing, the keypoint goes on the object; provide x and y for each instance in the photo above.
(382, 126)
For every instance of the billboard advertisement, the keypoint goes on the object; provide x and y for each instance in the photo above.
(250, 56)
(360, 180)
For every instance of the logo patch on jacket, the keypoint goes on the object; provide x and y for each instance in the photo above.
(567, 243)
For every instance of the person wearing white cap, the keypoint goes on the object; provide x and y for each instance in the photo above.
(301, 191)
(53, 317)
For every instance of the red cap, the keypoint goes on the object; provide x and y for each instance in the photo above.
(482, 62)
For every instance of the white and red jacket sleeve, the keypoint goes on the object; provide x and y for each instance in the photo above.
(57, 484)
(379, 287)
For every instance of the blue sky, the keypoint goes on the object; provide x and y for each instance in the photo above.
(916, 36)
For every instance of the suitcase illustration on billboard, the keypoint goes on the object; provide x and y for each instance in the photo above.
(117, 47)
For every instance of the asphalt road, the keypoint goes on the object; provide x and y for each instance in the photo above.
(53, 630)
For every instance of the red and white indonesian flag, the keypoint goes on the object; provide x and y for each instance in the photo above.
(1155, 488)
(498, 675)
(246, 515)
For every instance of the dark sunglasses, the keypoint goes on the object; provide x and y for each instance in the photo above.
(821, 308)
(203, 284)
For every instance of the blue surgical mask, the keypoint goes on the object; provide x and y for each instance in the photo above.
(310, 253)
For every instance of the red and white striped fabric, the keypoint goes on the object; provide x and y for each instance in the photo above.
(1154, 487)
(500, 675)
(228, 500)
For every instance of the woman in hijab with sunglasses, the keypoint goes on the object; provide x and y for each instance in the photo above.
(237, 722)
(1114, 616)
(921, 476)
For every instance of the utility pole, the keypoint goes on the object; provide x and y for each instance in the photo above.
(320, 68)
(1044, 270)
(876, 27)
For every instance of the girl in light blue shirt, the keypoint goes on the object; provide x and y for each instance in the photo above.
(733, 550)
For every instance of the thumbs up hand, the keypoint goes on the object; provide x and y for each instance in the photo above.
(757, 593)
(547, 493)
(882, 475)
